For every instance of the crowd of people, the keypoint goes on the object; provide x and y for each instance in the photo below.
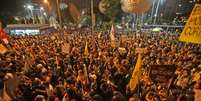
(36, 69)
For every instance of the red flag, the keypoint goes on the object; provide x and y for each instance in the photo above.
(3, 36)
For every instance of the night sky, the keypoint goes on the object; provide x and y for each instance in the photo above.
(11, 6)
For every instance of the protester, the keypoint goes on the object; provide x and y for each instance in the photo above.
(47, 73)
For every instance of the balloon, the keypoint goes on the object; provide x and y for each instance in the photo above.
(135, 6)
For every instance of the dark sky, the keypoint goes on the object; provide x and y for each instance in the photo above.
(11, 6)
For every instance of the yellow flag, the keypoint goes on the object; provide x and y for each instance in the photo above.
(136, 74)
(112, 32)
(86, 52)
(112, 36)
(196, 77)
(192, 29)
(3, 49)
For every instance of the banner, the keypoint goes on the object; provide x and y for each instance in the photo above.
(162, 73)
(192, 30)
(136, 74)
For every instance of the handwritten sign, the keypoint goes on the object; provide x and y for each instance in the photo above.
(192, 30)
(162, 73)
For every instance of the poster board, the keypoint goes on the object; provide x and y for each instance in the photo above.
(162, 73)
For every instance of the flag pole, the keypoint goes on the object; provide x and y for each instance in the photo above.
(92, 16)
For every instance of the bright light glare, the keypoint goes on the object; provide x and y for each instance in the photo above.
(45, 14)
(45, 1)
(30, 7)
(41, 8)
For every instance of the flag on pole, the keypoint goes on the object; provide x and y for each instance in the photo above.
(3, 36)
(136, 74)
(86, 73)
(86, 52)
(112, 32)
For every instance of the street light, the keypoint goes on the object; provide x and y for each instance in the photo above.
(45, 1)
(42, 11)
(41, 8)
(30, 7)
(48, 5)
(45, 14)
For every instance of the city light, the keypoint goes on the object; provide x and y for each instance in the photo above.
(30, 7)
(41, 8)
(46, 1)
(45, 14)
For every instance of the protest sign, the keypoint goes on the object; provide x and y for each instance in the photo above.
(192, 30)
(66, 48)
(162, 73)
